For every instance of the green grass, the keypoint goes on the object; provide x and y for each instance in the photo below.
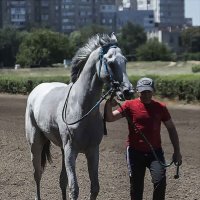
(160, 68)
(35, 72)
(133, 68)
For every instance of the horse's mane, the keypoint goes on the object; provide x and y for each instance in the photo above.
(81, 56)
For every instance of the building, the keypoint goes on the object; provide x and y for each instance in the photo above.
(25, 14)
(60, 15)
(169, 20)
(144, 18)
(170, 38)
(166, 12)
(106, 14)
(133, 4)
(47, 13)
(1, 16)
(15, 13)
(163, 19)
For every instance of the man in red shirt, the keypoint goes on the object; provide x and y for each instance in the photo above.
(146, 115)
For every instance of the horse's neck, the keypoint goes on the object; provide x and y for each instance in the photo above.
(88, 87)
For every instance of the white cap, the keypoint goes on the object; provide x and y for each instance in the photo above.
(145, 84)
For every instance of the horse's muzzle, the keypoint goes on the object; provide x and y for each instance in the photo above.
(125, 94)
(128, 94)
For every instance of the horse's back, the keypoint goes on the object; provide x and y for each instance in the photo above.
(43, 89)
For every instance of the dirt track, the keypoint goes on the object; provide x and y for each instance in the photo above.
(16, 178)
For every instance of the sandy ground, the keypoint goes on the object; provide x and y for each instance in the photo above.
(16, 177)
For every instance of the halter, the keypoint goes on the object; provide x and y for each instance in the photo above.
(104, 49)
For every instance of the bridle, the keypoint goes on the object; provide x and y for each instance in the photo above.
(103, 50)
(114, 87)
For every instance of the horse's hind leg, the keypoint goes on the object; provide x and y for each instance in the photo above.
(36, 152)
(36, 141)
(63, 177)
(93, 163)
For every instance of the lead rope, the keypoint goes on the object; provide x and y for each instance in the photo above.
(137, 131)
(110, 91)
(84, 116)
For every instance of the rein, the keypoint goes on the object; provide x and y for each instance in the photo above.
(84, 116)
(103, 50)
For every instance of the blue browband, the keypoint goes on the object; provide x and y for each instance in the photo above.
(104, 49)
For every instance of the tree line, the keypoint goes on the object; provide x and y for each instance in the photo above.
(44, 47)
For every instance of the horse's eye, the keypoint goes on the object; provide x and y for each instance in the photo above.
(110, 56)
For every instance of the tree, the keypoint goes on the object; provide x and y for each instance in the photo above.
(153, 50)
(79, 37)
(191, 39)
(131, 36)
(10, 40)
(75, 42)
(43, 47)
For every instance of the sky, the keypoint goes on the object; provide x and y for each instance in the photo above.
(192, 10)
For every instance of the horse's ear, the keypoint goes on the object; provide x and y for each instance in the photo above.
(113, 38)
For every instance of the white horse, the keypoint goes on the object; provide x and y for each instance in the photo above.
(58, 113)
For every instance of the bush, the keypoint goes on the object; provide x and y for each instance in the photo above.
(180, 87)
(191, 56)
(196, 68)
(25, 85)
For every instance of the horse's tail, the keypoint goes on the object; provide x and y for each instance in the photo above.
(46, 154)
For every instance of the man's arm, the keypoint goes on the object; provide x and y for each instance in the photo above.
(110, 115)
(174, 140)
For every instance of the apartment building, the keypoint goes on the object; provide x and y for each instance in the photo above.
(133, 4)
(60, 15)
(144, 18)
(28, 13)
(80, 13)
(15, 13)
(169, 20)
(1, 16)
(166, 12)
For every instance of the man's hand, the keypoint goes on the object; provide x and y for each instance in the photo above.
(113, 102)
(177, 158)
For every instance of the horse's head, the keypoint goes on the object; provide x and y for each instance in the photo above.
(112, 69)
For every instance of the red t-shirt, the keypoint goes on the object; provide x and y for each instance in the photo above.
(147, 118)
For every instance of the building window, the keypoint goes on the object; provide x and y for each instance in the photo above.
(171, 39)
(44, 17)
(44, 3)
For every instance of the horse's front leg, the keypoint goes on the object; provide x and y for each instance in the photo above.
(93, 164)
(63, 177)
(70, 160)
